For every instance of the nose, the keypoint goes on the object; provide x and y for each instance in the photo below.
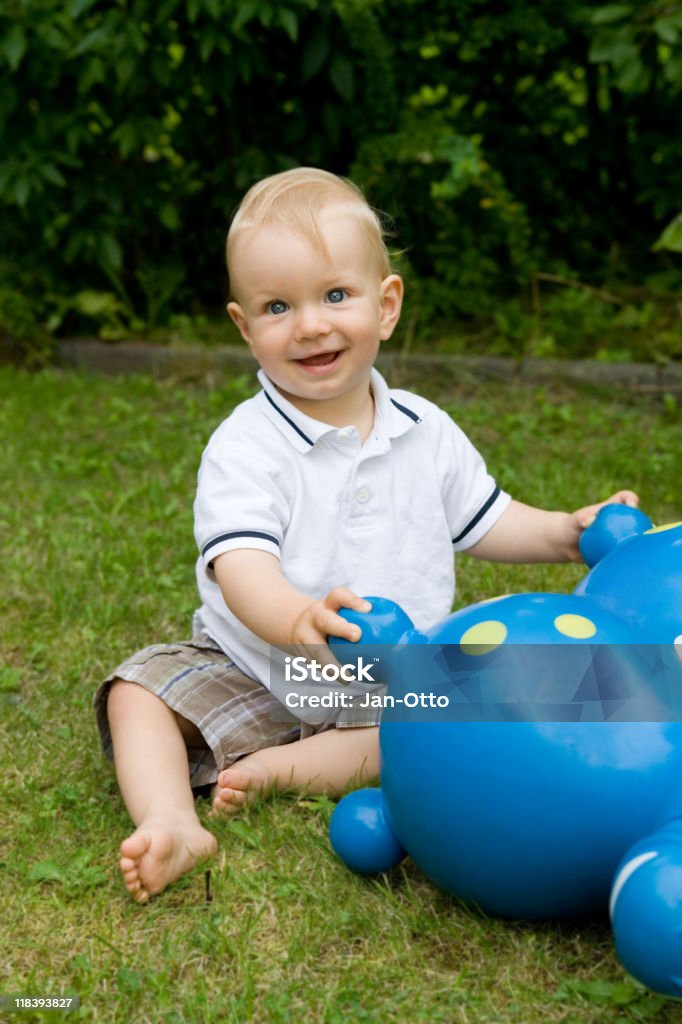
(311, 322)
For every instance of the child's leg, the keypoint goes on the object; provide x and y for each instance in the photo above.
(324, 763)
(152, 770)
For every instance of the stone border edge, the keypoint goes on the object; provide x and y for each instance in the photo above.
(196, 362)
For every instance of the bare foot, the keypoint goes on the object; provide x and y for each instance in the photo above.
(159, 852)
(237, 785)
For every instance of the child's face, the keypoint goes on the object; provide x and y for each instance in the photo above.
(314, 322)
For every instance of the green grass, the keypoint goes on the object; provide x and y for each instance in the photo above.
(95, 515)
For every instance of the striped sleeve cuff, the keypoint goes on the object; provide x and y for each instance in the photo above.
(480, 523)
(253, 539)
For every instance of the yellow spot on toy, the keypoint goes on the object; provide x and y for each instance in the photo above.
(661, 529)
(483, 637)
(578, 627)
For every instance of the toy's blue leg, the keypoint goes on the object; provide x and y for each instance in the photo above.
(646, 909)
(361, 833)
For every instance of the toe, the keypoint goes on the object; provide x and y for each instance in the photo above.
(134, 846)
(227, 801)
(233, 778)
(234, 797)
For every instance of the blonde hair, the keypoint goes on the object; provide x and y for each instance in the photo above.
(294, 199)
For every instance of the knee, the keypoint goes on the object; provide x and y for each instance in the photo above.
(121, 694)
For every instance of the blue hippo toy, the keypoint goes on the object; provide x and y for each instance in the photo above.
(544, 778)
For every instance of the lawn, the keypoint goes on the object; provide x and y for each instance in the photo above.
(98, 560)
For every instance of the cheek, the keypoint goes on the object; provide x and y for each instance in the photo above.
(268, 338)
(365, 325)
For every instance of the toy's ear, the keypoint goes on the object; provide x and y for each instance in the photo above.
(612, 525)
(386, 623)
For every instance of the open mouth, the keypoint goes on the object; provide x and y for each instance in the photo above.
(321, 359)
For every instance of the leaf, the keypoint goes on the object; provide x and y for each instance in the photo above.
(642, 1003)
(666, 30)
(109, 252)
(169, 216)
(289, 23)
(94, 73)
(46, 871)
(14, 46)
(245, 833)
(342, 77)
(76, 242)
(246, 12)
(79, 7)
(315, 52)
(52, 36)
(265, 16)
(671, 238)
(53, 175)
(633, 76)
(129, 980)
(125, 138)
(93, 303)
(206, 46)
(91, 41)
(126, 67)
(610, 13)
(618, 47)
(10, 677)
(22, 190)
(672, 71)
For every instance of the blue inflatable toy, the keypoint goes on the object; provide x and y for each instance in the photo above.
(543, 777)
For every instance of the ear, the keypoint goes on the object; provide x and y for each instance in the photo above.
(391, 302)
(238, 317)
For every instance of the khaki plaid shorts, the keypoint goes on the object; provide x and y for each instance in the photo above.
(234, 714)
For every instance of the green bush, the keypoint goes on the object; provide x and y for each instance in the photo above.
(130, 129)
(505, 139)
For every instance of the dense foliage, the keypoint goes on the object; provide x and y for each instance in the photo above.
(513, 143)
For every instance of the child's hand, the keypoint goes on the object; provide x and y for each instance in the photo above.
(584, 517)
(319, 620)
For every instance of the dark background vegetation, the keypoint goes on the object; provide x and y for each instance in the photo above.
(529, 153)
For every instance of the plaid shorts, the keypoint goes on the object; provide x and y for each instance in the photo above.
(234, 714)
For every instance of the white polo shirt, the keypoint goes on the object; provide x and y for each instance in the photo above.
(381, 518)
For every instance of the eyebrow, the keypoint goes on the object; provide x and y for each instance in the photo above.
(341, 280)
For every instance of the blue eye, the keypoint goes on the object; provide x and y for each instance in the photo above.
(336, 295)
(277, 307)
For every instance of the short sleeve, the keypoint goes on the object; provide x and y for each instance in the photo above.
(471, 498)
(239, 504)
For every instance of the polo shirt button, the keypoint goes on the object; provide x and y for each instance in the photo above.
(362, 495)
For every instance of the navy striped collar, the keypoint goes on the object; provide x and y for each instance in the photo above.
(392, 417)
(278, 408)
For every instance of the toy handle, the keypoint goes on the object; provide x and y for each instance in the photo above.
(613, 524)
(386, 623)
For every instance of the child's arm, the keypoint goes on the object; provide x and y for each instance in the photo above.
(255, 591)
(527, 534)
